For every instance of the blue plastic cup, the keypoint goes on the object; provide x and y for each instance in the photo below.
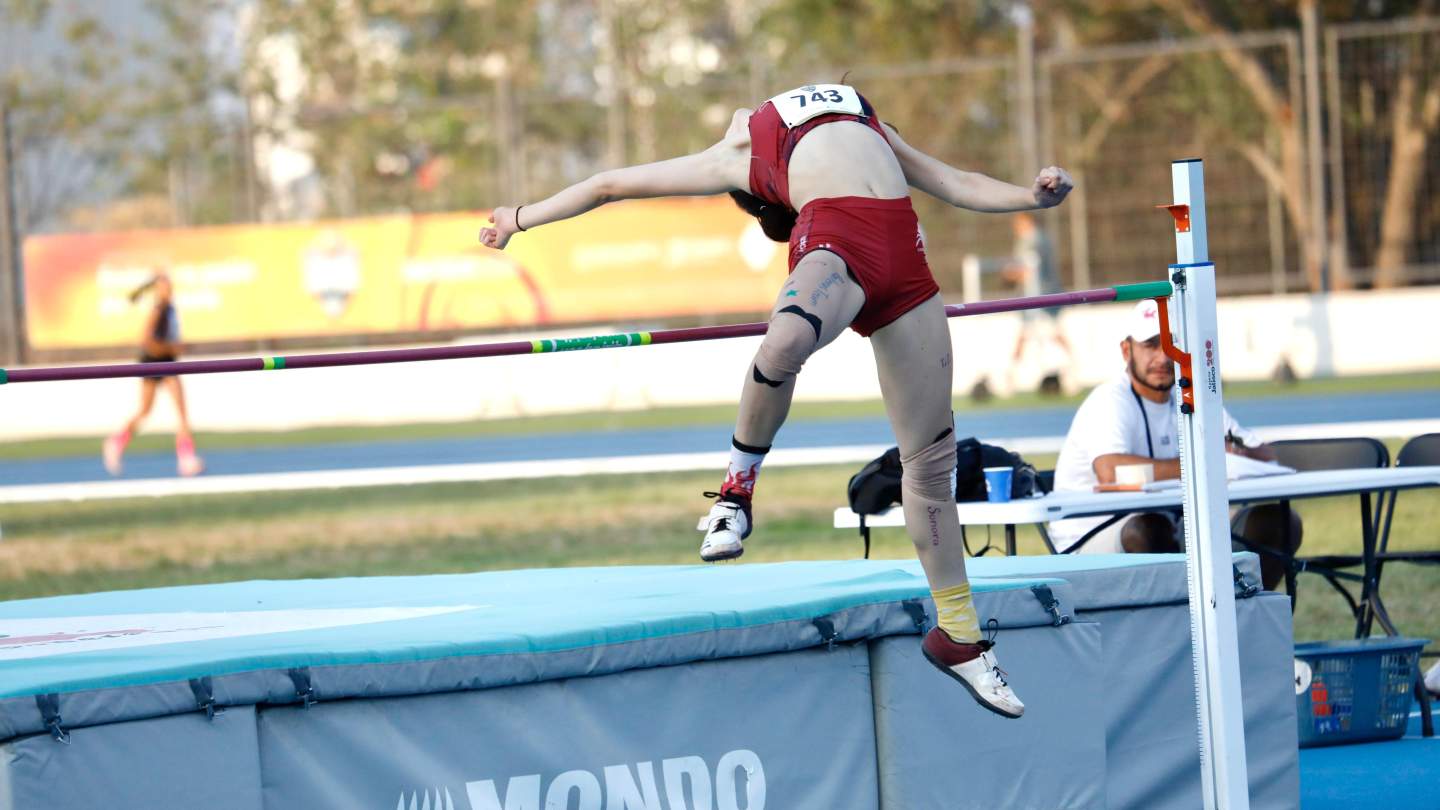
(997, 483)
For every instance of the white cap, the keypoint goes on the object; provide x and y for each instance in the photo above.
(1144, 321)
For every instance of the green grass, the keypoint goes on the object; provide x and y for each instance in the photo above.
(603, 520)
(654, 418)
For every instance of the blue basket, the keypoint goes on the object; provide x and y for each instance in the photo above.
(1351, 691)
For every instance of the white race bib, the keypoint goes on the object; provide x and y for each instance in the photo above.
(803, 103)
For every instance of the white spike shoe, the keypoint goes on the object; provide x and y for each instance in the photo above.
(974, 666)
(726, 528)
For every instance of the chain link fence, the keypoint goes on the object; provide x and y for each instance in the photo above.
(1383, 83)
(1118, 116)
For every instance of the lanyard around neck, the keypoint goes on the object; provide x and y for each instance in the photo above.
(1149, 443)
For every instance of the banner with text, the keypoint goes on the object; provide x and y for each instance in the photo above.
(407, 273)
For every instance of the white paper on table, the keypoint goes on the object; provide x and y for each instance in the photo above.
(1237, 467)
(1164, 483)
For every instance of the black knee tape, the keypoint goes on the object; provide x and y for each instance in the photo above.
(814, 321)
(761, 378)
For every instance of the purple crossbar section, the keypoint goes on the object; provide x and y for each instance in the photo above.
(708, 333)
(1032, 302)
(374, 357)
(258, 363)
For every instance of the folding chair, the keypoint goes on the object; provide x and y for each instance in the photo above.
(1421, 451)
(1307, 455)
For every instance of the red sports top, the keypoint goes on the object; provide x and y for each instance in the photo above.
(771, 144)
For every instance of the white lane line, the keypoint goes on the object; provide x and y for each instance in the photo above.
(429, 474)
(558, 468)
(1386, 429)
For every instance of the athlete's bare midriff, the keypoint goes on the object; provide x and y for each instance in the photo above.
(838, 159)
(844, 159)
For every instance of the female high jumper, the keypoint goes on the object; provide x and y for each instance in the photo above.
(857, 259)
(159, 343)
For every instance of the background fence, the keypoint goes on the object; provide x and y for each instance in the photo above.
(1114, 116)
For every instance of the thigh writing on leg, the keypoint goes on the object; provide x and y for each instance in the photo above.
(819, 300)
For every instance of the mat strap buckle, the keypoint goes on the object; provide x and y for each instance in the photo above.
(1244, 587)
(827, 631)
(49, 706)
(205, 697)
(1050, 604)
(300, 676)
(916, 610)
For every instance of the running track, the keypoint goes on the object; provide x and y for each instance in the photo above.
(1259, 413)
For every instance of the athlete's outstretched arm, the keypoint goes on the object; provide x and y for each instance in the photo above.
(719, 169)
(973, 190)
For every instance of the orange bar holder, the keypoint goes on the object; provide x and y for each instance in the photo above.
(1181, 213)
(1167, 344)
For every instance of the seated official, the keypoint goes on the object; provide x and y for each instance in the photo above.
(1131, 420)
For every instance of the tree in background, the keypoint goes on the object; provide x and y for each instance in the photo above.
(189, 139)
(230, 110)
(57, 69)
(1414, 109)
(1414, 113)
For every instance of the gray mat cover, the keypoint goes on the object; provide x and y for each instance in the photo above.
(168, 762)
(1153, 750)
(798, 724)
(1015, 607)
(938, 749)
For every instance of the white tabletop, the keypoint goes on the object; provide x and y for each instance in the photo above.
(1058, 505)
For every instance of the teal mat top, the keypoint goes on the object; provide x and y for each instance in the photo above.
(126, 638)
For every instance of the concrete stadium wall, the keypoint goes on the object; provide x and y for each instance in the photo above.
(1319, 335)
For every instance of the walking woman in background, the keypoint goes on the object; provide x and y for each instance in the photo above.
(159, 343)
(819, 170)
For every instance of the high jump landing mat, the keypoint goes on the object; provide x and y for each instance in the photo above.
(792, 686)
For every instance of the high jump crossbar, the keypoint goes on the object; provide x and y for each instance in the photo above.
(1123, 292)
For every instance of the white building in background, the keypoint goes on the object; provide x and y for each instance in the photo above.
(283, 152)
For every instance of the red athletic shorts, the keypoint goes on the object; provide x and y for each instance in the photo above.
(880, 243)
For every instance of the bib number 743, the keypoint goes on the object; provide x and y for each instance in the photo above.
(820, 96)
(803, 103)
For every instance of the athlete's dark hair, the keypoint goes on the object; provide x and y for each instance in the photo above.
(142, 289)
(775, 220)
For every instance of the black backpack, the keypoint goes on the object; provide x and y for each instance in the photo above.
(877, 486)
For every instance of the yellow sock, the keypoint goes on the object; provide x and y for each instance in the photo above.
(955, 612)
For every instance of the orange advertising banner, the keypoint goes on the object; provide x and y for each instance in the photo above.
(413, 273)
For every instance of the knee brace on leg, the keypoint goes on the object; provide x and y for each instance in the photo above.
(788, 343)
(929, 473)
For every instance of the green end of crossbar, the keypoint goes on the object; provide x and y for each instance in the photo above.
(4, 376)
(1149, 289)
(274, 363)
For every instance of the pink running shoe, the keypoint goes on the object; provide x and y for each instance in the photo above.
(974, 666)
(112, 452)
(189, 464)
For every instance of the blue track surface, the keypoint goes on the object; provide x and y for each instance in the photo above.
(1401, 774)
(995, 424)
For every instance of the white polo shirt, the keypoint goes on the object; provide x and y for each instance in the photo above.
(1115, 419)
